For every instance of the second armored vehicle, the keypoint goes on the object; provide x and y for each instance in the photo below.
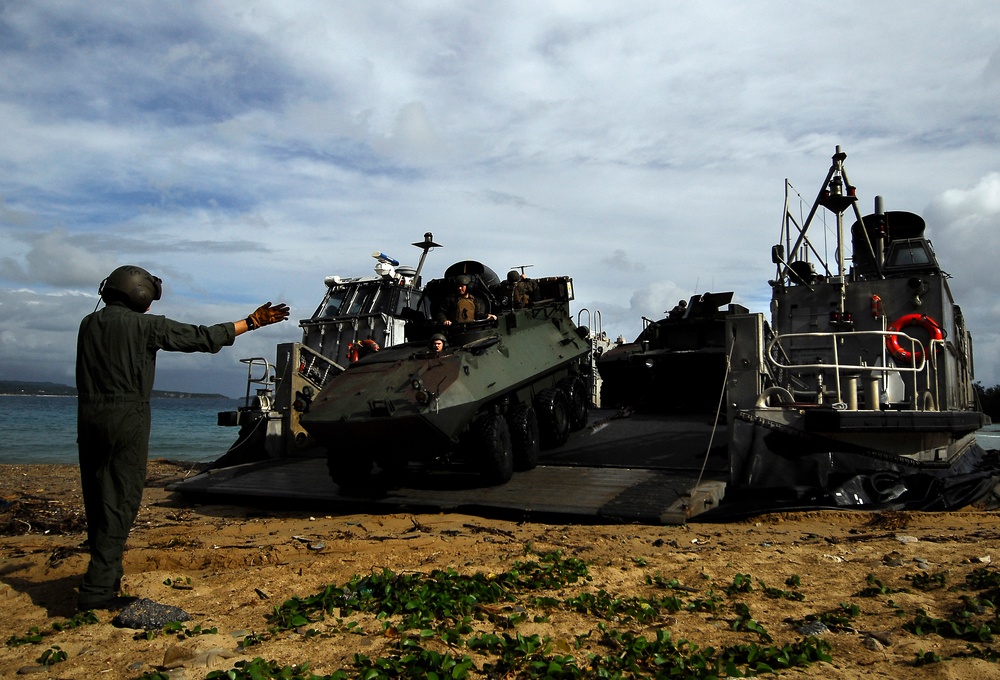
(677, 364)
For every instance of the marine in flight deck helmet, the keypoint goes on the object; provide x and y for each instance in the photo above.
(133, 286)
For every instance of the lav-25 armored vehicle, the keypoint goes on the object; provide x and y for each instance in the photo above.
(502, 387)
(356, 315)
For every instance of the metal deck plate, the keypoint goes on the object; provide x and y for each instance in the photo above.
(639, 469)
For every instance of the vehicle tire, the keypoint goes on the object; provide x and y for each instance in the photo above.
(490, 447)
(523, 425)
(578, 400)
(553, 418)
(351, 472)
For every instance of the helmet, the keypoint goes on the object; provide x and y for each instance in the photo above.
(438, 336)
(513, 276)
(463, 280)
(131, 285)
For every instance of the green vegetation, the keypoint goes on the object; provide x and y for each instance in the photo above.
(989, 400)
(51, 656)
(175, 628)
(432, 623)
(432, 620)
(34, 636)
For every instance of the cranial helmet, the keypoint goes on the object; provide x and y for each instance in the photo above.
(463, 280)
(513, 276)
(438, 336)
(131, 285)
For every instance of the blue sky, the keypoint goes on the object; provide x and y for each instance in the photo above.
(242, 151)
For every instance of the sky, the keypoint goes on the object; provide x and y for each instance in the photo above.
(244, 150)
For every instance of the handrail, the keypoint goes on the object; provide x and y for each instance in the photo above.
(266, 379)
(592, 319)
(838, 368)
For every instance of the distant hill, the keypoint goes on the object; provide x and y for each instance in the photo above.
(48, 389)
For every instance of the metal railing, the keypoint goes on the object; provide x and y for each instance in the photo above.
(839, 369)
(267, 379)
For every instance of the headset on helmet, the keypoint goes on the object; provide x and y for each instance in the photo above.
(131, 285)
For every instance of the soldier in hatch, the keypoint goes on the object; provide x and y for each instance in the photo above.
(437, 343)
(519, 289)
(463, 306)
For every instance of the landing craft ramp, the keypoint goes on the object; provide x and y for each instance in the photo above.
(640, 468)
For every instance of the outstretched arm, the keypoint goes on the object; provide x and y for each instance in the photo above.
(264, 315)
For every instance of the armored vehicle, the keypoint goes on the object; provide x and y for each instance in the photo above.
(676, 364)
(356, 316)
(512, 377)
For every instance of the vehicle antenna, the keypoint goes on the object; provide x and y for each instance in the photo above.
(424, 245)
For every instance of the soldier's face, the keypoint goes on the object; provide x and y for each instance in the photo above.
(461, 289)
(437, 345)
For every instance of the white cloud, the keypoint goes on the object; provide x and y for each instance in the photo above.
(244, 150)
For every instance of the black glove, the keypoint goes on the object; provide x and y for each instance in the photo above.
(266, 315)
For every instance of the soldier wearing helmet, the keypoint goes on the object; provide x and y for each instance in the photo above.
(463, 306)
(115, 364)
(438, 342)
(518, 290)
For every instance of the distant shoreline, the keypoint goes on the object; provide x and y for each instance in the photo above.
(20, 388)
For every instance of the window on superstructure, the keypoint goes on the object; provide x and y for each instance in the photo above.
(334, 302)
(364, 300)
(910, 254)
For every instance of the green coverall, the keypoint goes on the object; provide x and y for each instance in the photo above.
(115, 366)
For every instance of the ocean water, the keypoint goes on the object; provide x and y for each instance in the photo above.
(43, 429)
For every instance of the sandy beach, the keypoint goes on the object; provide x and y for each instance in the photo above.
(835, 594)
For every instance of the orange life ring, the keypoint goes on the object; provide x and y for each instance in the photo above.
(902, 353)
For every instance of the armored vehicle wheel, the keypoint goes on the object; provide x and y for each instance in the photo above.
(350, 471)
(578, 401)
(523, 425)
(490, 444)
(553, 418)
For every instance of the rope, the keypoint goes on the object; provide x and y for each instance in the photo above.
(718, 412)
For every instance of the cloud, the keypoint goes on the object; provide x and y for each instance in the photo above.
(245, 151)
(53, 260)
(619, 261)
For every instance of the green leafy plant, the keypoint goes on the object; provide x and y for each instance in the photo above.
(926, 658)
(420, 612)
(875, 588)
(778, 593)
(32, 637)
(260, 669)
(927, 581)
(35, 635)
(51, 656)
(742, 583)
(962, 627)
(745, 622)
(80, 619)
